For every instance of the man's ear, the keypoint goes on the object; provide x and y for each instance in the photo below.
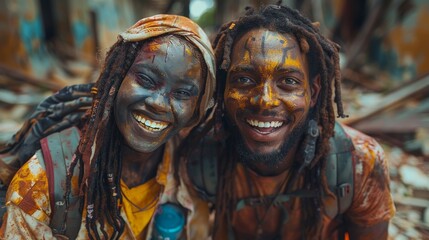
(315, 89)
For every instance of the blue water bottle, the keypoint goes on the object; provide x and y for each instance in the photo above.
(169, 222)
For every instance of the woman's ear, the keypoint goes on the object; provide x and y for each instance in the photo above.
(315, 89)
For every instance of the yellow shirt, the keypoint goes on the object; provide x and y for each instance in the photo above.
(139, 204)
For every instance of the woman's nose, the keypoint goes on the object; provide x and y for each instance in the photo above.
(159, 102)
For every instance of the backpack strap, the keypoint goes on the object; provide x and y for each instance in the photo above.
(3, 190)
(339, 171)
(57, 151)
(203, 168)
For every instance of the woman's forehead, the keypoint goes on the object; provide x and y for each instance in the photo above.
(172, 59)
(168, 41)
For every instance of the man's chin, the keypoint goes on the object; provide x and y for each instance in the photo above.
(254, 155)
(262, 148)
(268, 154)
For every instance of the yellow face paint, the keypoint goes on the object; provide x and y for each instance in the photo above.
(267, 92)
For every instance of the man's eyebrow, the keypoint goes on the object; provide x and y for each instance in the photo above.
(241, 68)
(290, 70)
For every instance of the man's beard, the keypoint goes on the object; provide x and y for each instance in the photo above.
(273, 159)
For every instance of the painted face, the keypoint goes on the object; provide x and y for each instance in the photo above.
(160, 93)
(268, 93)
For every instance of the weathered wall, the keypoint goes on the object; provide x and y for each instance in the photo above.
(403, 48)
(21, 32)
(398, 44)
(27, 27)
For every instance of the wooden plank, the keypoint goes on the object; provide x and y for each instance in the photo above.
(23, 78)
(409, 90)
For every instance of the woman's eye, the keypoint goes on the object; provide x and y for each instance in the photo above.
(145, 80)
(182, 94)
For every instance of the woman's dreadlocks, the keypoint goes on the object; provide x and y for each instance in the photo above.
(323, 60)
(98, 153)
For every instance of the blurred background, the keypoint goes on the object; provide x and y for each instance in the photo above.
(47, 44)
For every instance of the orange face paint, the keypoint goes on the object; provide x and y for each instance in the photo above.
(267, 92)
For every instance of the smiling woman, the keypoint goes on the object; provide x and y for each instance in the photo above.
(159, 95)
(157, 80)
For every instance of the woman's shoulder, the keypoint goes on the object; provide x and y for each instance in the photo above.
(29, 190)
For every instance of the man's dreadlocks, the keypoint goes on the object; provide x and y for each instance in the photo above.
(323, 59)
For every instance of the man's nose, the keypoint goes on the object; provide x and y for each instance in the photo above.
(265, 97)
(158, 102)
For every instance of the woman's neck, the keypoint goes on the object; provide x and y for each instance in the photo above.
(138, 167)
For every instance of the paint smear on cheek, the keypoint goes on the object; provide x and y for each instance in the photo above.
(290, 100)
(237, 97)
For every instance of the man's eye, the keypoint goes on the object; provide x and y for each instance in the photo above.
(244, 80)
(289, 81)
(182, 94)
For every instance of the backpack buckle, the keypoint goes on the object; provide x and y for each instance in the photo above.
(344, 189)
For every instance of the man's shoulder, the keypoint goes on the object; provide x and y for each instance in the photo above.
(372, 201)
(366, 148)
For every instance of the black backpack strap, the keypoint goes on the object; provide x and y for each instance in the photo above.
(3, 190)
(202, 168)
(57, 151)
(339, 171)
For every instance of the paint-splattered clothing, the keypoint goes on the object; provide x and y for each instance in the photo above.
(29, 211)
(372, 202)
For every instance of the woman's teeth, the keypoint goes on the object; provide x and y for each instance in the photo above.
(150, 124)
(256, 123)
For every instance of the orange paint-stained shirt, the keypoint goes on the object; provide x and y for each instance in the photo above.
(372, 202)
(28, 205)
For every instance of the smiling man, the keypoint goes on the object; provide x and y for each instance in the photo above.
(268, 98)
(286, 169)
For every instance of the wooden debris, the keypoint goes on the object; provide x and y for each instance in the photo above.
(23, 78)
(408, 91)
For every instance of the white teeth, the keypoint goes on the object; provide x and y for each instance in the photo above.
(150, 124)
(256, 123)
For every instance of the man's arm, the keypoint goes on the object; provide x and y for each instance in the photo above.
(377, 231)
(372, 207)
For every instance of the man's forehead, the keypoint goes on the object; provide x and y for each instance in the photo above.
(267, 49)
(261, 38)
